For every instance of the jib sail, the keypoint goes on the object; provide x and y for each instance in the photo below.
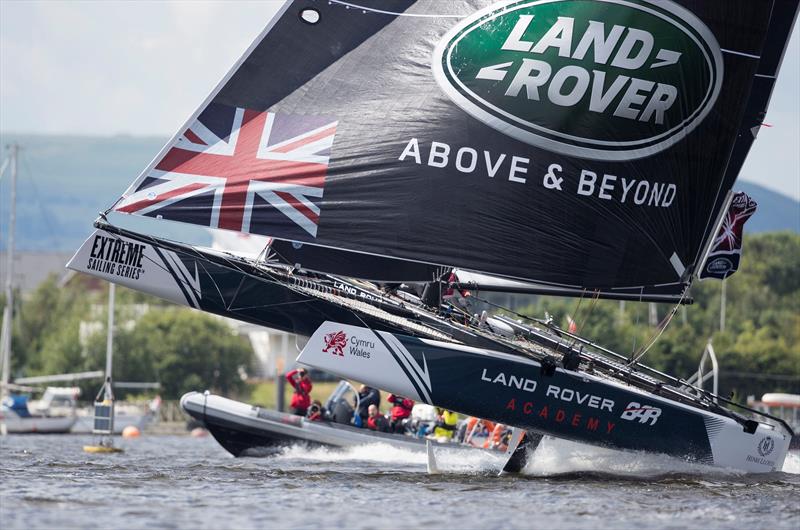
(583, 145)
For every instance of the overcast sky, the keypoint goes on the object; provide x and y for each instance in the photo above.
(141, 68)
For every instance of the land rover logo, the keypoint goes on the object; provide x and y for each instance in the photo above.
(765, 446)
(605, 80)
(720, 265)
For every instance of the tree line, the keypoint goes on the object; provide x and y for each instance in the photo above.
(183, 349)
(759, 348)
(154, 341)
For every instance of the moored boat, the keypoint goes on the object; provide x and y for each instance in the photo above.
(15, 418)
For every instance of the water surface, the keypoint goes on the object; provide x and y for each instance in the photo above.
(183, 482)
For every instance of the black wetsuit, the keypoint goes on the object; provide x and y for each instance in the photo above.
(370, 396)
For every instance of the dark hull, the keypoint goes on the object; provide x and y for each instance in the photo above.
(241, 440)
(245, 430)
(525, 393)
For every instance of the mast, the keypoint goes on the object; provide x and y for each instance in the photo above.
(8, 311)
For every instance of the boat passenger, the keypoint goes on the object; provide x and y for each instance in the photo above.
(400, 412)
(315, 411)
(499, 438)
(477, 430)
(301, 399)
(377, 421)
(367, 396)
(445, 423)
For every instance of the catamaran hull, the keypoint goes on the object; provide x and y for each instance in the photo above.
(178, 275)
(209, 281)
(247, 430)
(517, 391)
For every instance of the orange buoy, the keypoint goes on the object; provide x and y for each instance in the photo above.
(131, 431)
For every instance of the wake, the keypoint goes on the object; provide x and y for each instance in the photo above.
(554, 457)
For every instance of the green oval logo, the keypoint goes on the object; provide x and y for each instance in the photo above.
(598, 79)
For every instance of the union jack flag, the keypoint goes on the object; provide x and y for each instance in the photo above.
(726, 249)
(243, 170)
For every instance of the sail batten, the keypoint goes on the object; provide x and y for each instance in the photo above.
(578, 145)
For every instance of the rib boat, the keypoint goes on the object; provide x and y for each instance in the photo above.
(250, 430)
(399, 155)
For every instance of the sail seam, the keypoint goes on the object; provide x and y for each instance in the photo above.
(394, 13)
(734, 52)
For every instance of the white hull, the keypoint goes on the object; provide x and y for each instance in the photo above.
(40, 425)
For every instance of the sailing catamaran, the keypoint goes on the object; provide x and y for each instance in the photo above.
(559, 147)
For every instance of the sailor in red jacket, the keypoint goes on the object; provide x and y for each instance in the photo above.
(400, 411)
(301, 399)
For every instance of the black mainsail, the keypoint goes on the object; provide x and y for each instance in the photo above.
(587, 150)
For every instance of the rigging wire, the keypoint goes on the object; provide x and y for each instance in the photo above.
(661, 327)
(636, 324)
(48, 221)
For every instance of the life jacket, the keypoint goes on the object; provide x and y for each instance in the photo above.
(446, 425)
(402, 407)
(495, 441)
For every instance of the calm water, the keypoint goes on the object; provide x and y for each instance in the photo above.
(182, 482)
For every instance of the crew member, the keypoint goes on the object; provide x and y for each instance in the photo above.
(377, 421)
(301, 399)
(480, 428)
(315, 411)
(400, 412)
(498, 439)
(445, 423)
(367, 396)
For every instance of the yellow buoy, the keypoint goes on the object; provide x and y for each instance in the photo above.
(101, 449)
(131, 431)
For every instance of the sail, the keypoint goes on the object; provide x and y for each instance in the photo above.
(583, 145)
(356, 265)
(784, 16)
(726, 249)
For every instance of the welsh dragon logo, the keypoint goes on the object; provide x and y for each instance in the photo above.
(336, 340)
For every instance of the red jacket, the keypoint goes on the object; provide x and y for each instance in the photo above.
(402, 407)
(378, 423)
(302, 391)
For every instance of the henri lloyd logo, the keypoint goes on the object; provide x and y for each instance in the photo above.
(605, 80)
(766, 446)
(116, 257)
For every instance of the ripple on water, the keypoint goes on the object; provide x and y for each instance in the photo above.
(176, 482)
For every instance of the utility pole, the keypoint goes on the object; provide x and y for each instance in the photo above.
(653, 314)
(8, 312)
(109, 391)
(722, 303)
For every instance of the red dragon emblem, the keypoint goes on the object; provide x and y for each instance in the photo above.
(336, 340)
